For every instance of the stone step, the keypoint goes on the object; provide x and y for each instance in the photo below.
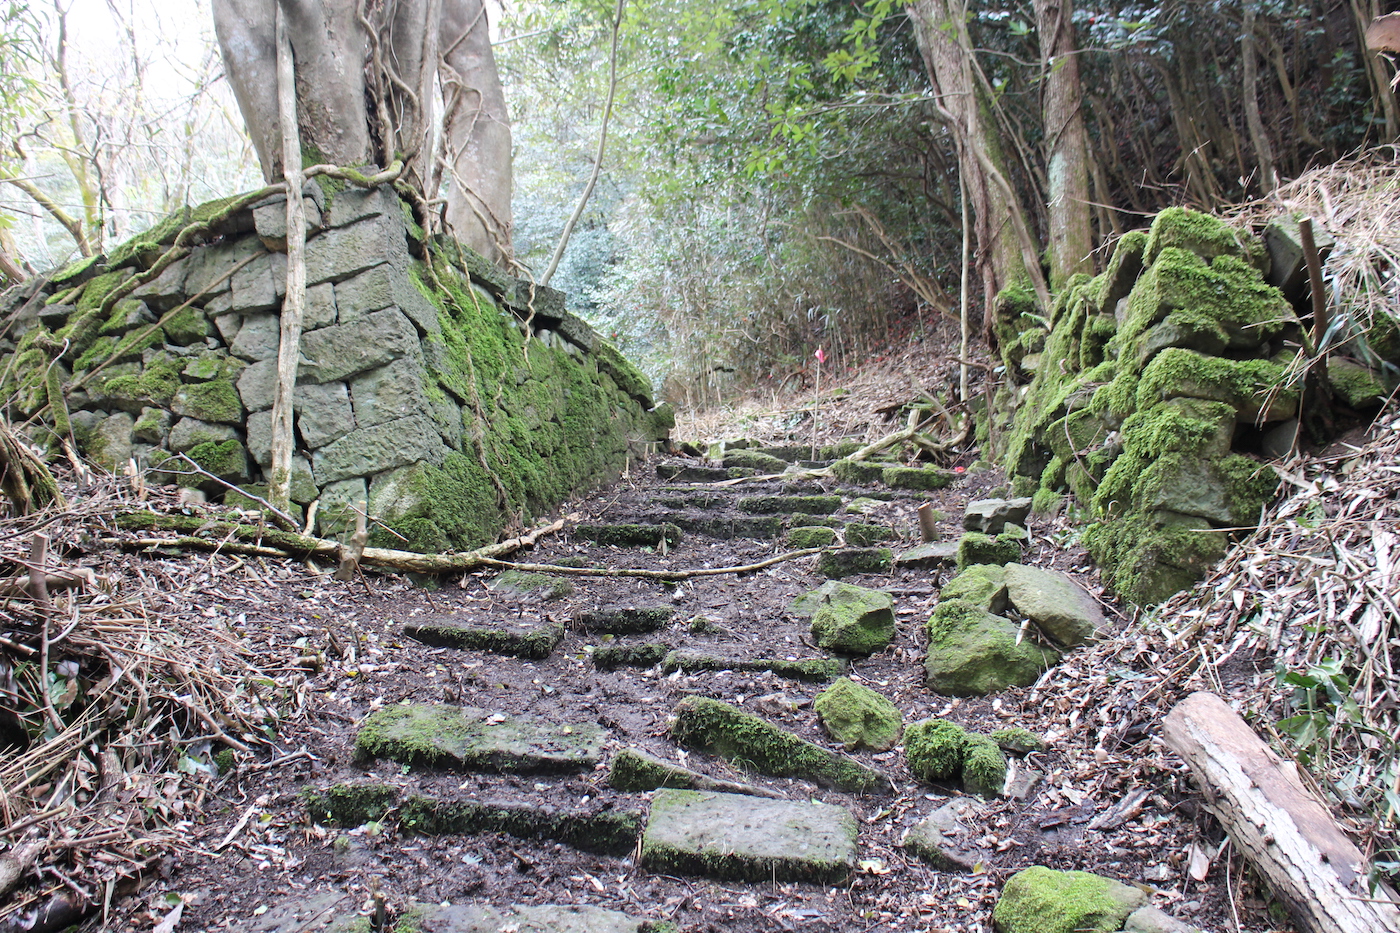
(469, 739)
(336, 912)
(626, 620)
(631, 535)
(534, 641)
(732, 837)
(812, 670)
(598, 830)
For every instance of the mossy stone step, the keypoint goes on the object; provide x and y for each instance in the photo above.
(725, 527)
(602, 831)
(929, 555)
(484, 918)
(626, 620)
(744, 739)
(513, 639)
(917, 478)
(469, 739)
(787, 505)
(849, 561)
(611, 657)
(696, 500)
(539, 585)
(812, 670)
(634, 771)
(731, 837)
(681, 473)
(630, 535)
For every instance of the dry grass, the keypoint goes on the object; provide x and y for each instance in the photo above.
(117, 744)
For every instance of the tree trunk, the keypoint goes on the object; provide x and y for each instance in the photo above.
(1067, 151)
(1263, 149)
(478, 156)
(343, 119)
(1000, 228)
(1287, 835)
(289, 344)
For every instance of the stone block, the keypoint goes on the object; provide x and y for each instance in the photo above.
(732, 837)
(974, 653)
(385, 286)
(320, 310)
(345, 350)
(270, 221)
(377, 449)
(258, 337)
(166, 290)
(392, 391)
(341, 253)
(189, 433)
(1043, 900)
(256, 385)
(323, 413)
(341, 503)
(990, 516)
(351, 204)
(857, 716)
(256, 286)
(470, 739)
(209, 267)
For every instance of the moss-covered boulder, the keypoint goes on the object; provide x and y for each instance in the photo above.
(854, 620)
(983, 766)
(972, 652)
(983, 585)
(857, 716)
(934, 749)
(747, 741)
(1061, 608)
(1042, 900)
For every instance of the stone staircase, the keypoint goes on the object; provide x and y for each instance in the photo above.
(665, 729)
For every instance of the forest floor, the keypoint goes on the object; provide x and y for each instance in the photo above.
(315, 657)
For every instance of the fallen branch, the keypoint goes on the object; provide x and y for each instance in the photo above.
(869, 450)
(15, 864)
(651, 574)
(1272, 819)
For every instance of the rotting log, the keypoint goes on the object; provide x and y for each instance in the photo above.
(1276, 823)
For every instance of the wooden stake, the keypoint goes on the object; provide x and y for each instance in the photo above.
(928, 527)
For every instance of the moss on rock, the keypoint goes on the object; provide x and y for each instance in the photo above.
(983, 767)
(1042, 900)
(934, 749)
(857, 716)
(747, 741)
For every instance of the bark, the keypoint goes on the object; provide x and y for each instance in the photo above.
(289, 344)
(1273, 820)
(478, 156)
(999, 221)
(1366, 13)
(406, 48)
(1067, 151)
(1263, 149)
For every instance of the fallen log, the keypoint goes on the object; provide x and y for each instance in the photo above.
(1276, 823)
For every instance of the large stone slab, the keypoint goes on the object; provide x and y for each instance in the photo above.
(380, 448)
(345, 350)
(732, 837)
(1062, 608)
(990, 516)
(469, 739)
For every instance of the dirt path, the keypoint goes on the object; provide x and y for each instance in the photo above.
(255, 859)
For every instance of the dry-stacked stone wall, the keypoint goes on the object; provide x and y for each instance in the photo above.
(448, 395)
(1160, 391)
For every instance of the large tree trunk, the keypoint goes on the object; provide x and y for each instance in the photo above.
(947, 51)
(405, 47)
(478, 158)
(1067, 152)
(330, 49)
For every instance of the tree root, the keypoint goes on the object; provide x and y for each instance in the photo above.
(193, 532)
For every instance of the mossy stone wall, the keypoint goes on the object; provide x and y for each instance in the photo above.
(454, 399)
(1155, 384)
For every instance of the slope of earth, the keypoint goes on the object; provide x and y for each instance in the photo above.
(537, 820)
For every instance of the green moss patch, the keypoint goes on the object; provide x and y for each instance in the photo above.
(934, 749)
(627, 620)
(351, 803)
(786, 505)
(1042, 900)
(857, 716)
(854, 620)
(809, 537)
(974, 653)
(521, 583)
(630, 535)
(921, 479)
(748, 742)
(612, 657)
